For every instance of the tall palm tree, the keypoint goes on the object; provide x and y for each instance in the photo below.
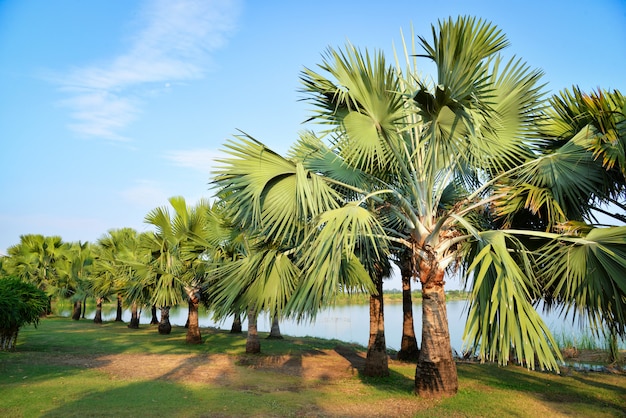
(193, 223)
(431, 151)
(412, 164)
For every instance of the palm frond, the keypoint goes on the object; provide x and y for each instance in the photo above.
(276, 197)
(585, 276)
(265, 278)
(501, 318)
(359, 98)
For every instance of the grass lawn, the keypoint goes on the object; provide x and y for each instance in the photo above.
(68, 368)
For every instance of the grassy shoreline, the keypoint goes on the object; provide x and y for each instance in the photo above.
(77, 368)
(395, 296)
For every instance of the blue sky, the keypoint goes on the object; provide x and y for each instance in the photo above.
(109, 107)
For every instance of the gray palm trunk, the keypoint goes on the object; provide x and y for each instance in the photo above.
(253, 344)
(97, 319)
(134, 316)
(77, 310)
(377, 362)
(118, 312)
(84, 307)
(409, 350)
(436, 372)
(275, 330)
(236, 327)
(165, 327)
(155, 319)
(193, 329)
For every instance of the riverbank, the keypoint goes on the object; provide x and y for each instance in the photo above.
(395, 296)
(68, 368)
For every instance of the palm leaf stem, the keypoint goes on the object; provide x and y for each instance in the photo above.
(616, 216)
(620, 205)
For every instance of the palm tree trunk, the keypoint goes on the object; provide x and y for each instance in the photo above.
(193, 329)
(376, 362)
(8, 337)
(236, 327)
(435, 374)
(409, 351)
(118, 315)
(77, 310)
(165, 327)
(275, 330)
(253, 344)
(97, 319)
(84, 307)
(134, 316)
(49, 309)
(154, 319)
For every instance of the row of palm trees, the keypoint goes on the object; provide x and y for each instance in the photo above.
(473, 172)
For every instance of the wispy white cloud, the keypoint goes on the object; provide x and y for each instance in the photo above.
(173, 44)
(145, 194)
(202, 160)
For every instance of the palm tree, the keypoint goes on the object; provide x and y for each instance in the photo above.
(77, 274)
(416, 165)
(33, 259)
(38, 259)
(115, 271)
(228, 248)
(177, 267)
(431, 151)
(452, 174)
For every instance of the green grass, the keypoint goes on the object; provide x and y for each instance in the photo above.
(50, 375)
(582, 340)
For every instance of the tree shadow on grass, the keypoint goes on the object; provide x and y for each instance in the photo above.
(146, 398)
(395, 383)
(30, 367)
(577, 388)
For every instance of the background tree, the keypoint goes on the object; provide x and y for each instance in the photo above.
(116, 261)
(267, 273)
(37, 259)
(76, 274)
(176, 267)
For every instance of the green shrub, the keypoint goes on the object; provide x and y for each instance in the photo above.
(20, 303)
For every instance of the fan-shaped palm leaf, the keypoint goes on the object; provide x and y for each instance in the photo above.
(586, 275)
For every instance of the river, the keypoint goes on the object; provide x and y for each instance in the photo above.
(348, 323)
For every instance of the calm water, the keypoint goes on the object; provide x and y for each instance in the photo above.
(346, 323)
